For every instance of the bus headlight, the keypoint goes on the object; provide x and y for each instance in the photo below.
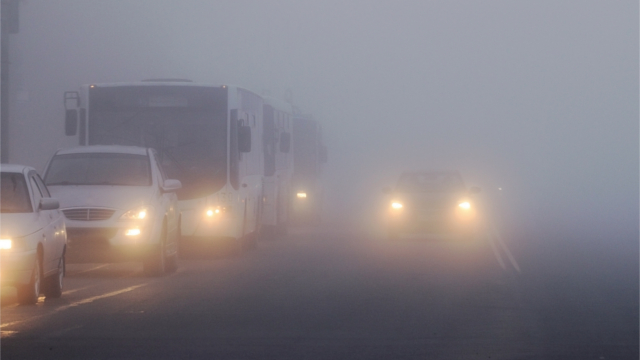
(301, 195)
(396, 205)
(464, 205)
(213, 211)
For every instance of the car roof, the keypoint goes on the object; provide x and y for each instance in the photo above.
(15, 168)
(114, 149)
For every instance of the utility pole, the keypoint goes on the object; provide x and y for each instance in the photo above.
(10, 24)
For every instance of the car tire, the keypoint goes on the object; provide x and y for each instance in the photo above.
(53, 284)
(156, 262)
(29, 293)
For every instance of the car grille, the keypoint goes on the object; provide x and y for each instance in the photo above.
(88, 214)
(433, 206)
(91, 234)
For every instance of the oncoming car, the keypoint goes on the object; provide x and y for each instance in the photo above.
(32, 235)
(432, 202)
(118, 205)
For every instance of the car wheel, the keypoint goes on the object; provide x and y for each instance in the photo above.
(28, 294)
(172, 260)
(53, 284)
(155, 263)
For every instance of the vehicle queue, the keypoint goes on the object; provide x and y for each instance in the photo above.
(161, 164)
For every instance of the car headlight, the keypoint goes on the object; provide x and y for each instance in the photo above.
(464, 205)
(217, 210)
(301, 195)
(5, 244)
(139, 213)
(396, 205)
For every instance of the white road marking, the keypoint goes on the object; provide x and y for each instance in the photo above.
(74, 304)
(496, 252)
(84, 271)
(504, 247)
(509, 255)
(94, 298)
(75, 290)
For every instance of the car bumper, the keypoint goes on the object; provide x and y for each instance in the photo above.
(434, 223)
(108, 244)
(16, 268)
(197, 225)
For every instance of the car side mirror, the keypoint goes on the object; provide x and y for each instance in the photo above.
(49, 204)
(171, 185)
(244, 138)
(386, 190)
(474, 190)
(285, 142)
(71, 122)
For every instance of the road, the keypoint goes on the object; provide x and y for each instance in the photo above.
(341, 293)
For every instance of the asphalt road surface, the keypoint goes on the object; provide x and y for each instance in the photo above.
(344, 294)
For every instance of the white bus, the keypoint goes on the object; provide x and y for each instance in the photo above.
(278, 165)
(209, 137)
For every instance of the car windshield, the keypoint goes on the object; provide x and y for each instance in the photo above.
(430, 182)
(99, 169)
(14, 195)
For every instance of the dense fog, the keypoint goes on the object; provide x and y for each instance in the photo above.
(539, 98)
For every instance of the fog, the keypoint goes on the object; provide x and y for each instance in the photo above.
(539, 98)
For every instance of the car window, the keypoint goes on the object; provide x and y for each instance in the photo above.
(159, 166)
(37, 194)
(99, 169)
(14, 194)
(43, 188)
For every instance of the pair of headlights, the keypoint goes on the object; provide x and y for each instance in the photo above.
(139, 213)
(210, 212)
(463, 205)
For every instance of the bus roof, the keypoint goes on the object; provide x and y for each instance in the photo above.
(166, 82)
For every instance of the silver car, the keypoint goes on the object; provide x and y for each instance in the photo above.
(118, 205)
(32, 235)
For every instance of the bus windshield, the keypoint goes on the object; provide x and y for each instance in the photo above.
(187, 125)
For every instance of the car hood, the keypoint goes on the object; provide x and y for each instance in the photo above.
(114, 197)
(18, 224)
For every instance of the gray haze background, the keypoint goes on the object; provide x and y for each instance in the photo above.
(537, 97)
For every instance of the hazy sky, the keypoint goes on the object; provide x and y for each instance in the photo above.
(539, 97)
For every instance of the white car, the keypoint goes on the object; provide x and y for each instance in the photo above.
(32, 235)
(433, 202)
(118, 205)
